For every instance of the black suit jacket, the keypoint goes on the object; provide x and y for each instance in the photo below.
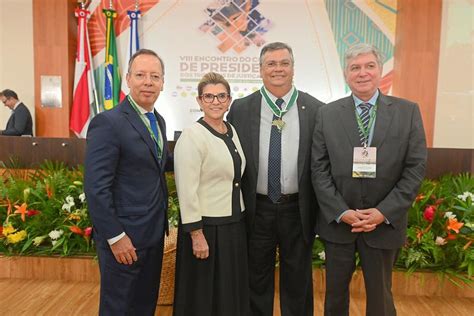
(124, 178)
(401, 158)
(244, 115)
(19, 123)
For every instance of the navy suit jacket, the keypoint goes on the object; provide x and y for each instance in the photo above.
(124, 179)
(19, 123)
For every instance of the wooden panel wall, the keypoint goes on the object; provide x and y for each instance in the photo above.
(54, 36)
(30, 152)
(417, 56)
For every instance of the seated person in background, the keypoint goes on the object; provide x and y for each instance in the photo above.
(20, 122)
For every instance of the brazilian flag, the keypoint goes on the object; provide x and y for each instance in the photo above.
(112, 72)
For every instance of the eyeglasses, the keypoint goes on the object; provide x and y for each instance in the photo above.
(209, 97)
(273, 64)
(140, 76)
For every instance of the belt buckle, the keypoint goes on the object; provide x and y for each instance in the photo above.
(283, 198)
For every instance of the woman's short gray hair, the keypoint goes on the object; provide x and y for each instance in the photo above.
(362, 49)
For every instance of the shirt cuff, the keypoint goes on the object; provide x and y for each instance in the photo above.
(113, 240)
(338, 220)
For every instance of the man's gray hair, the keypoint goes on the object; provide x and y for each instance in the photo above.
(276, 46)
(362, 49)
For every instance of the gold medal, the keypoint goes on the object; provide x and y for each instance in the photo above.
(279, 123)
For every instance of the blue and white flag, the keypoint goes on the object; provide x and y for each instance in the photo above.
(134, 45)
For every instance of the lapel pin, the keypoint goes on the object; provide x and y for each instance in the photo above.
(303, 107)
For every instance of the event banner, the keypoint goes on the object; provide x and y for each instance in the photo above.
(197, 36)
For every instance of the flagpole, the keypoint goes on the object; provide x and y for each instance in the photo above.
(133, 44)
(84, 92)
(83, 4)
(112, 82)
(96, 98)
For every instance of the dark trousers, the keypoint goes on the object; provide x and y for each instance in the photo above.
(130, 289)
(377, 270)
(279, 225)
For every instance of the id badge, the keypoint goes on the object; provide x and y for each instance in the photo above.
(364, 162)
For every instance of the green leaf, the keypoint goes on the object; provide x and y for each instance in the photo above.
(26, 245)
(58, 243)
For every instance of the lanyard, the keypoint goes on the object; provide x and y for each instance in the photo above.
(147, 124)
(275, 108)
(366, 131)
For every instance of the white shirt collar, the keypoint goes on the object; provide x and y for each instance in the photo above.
(16, 105)
(372, 100)
(285, 98)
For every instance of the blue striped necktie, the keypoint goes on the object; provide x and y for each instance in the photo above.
(274, 160)
(364, 118)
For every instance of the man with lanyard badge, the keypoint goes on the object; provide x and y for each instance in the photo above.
(366, 171)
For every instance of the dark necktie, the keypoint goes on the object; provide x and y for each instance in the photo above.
(364, 119)
(274, 160)
(154, 128)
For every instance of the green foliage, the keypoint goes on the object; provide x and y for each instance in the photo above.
(55, 219)
(52, 201)
(173, 203)
(319, 255)
(443, 243)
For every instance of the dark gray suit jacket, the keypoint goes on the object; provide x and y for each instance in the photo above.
(401, 159)
(244, 115)
(19, 123)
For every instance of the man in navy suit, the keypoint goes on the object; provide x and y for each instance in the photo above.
(126, 191)
(20, 122)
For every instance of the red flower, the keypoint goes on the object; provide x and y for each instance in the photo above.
(451, 237)
(76, 230)
(87, 231)
(1, 231)
(429, 213)
(32, 213)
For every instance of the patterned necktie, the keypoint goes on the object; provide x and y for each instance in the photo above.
(274, 160)
(154, 128)
(364, 119)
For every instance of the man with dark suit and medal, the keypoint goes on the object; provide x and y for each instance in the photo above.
(275, 126)
(125, 186)
(366, 171)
